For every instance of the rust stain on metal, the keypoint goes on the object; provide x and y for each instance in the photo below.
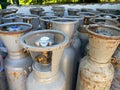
(96, 73)
(16, 74)
(118, 78)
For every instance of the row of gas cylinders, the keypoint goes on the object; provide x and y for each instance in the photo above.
(52, 52)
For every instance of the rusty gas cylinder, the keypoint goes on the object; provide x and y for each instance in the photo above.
(116, 63)
(96, 71)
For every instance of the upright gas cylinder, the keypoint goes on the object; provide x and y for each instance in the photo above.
(46, 48)
(68, 60)
(58, 10)
(31, 19)
(107, 16)
(37, 11)
(73, 11)
(96, 71)
(116, 63)
(102, 20)
(83, 31)
(87, 16)
(76, 43)
(45, 21)
(18, 63)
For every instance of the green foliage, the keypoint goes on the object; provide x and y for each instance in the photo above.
(34, 2)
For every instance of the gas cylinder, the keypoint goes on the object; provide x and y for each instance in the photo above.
(116, 63)
(46, 48)
(96, 71)
(100, 21)
(80, 18)
(82, 29)
(51, 13)
(103, 21)
(68, 26)
(37, 11)
(87, 10)
(14, 17)
(45, 21)
(84, 39)
(73, 11)
(31, 19)
(58, 11)
(3, 81)
(18, 62)
(108, 16)
(87, 16)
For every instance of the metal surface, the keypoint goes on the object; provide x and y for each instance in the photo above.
(46, 73)
(31, 19)
(45, 21)
(67, 65)
(96, 71)
(109, 11)
(18, 63)
(37, 11)
(67, 25)
(116, 63)
(8, 11)
(58, 11)
(12, 18)
(107, 16)
(3, 81)
(73, 11)
(17, 70)
(79, 18)
(103, 21)
(84, 39)
(87, 16)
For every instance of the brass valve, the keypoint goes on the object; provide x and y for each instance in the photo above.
(44, 57)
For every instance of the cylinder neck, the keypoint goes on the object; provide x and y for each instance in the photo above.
(16, 55)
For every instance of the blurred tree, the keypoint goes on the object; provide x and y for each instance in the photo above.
(4, 4)
(16, 2)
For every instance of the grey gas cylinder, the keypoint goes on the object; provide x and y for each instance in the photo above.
(68, 26)
(45, 22)
(46, 48)
(17, 63)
